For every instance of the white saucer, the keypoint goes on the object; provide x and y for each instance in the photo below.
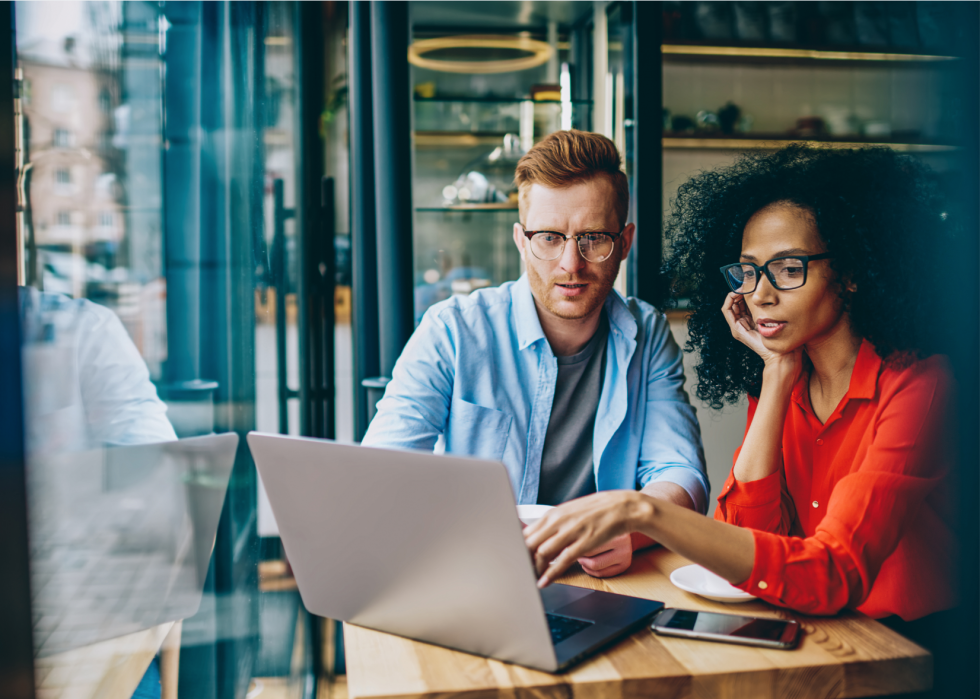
(701, 581)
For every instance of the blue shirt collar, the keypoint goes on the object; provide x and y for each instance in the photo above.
(526, 314)
(621, 320)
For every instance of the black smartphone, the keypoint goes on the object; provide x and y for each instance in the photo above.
(727, 628)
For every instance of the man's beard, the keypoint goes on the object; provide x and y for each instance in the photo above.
(574, 308)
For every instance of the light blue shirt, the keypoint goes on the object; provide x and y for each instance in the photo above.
(479, 371)
(85, 384)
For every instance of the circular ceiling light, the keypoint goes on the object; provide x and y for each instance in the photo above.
(462, 54)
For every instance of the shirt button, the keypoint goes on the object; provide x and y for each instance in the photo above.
(819, 442)
(816, 504)
(763, 584)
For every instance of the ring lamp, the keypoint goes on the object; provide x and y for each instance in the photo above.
(540, 52)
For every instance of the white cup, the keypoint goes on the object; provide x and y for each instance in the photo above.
(529, 514)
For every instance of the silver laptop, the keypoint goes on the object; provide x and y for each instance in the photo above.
(428, 547)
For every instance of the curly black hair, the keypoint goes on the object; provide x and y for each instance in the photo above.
(880, 213)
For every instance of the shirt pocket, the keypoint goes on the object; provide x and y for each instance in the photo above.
(477, 431)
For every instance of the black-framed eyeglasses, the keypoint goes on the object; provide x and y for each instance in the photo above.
(784, 273)
(594, 246)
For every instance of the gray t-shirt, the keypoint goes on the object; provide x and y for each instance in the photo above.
(566, 463)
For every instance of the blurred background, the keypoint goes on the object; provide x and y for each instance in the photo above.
(261, 199)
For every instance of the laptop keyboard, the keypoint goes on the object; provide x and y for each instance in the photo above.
(562, 627)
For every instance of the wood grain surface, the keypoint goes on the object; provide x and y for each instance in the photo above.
(848, 655)
(106, 670)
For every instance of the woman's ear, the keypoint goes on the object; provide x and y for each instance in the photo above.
(848, 284)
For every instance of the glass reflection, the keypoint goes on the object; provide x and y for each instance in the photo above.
(147, 131)
(88, 385)
(122, 536)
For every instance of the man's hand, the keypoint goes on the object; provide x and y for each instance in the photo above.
(612, 558)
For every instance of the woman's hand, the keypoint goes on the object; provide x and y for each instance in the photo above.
(579, 527)
(743, 328)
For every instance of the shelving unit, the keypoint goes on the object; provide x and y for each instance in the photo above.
(470, 208)
(868, 84)
(495, 100)
(463, 122)
(759, 142)
(674, 53)
(456, 139)
(475, 125)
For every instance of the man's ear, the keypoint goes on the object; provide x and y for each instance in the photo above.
(520, 240)
(626, 240)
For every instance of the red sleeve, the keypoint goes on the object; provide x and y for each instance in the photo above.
(763, 504)
(869, 508)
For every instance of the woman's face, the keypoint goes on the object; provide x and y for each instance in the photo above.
(806, 316)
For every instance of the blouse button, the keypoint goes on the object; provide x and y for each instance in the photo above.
(816, 504)
(763, 584)
(819, 442)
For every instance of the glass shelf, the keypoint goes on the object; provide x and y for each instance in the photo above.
(683, 53)
(754, 142)
(494, 100)
(468, 208)
(457, 139)
(498, 116)
(454, 248)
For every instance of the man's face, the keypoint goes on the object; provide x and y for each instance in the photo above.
(570, 287)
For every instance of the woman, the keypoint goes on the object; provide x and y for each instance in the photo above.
(822, 263)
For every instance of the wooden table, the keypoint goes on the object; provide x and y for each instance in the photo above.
(111, 669)
(849, 655)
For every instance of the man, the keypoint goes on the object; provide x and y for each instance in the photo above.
(574, 388)
(85, 384)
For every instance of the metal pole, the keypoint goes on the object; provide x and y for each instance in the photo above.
(16, 645)
(280, 275)
(600, 68)
(647, 128)
(324, 354)
(182, 191)
(962, 646)
(393, 176)
(309, 228)
(364, 303)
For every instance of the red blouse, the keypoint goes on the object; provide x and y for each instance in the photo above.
(860, 515)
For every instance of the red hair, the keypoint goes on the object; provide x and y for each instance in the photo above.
(565, 158)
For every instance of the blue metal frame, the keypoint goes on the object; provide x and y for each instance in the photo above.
(644, 78)
(364, 244)
(16, 643)
(315, 229)
(958, 319)
(381, 197)
(392, 97)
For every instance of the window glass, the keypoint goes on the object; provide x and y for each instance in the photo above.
(160, 159)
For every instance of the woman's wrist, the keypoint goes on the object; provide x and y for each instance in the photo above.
(781, 371)
(640, 511)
